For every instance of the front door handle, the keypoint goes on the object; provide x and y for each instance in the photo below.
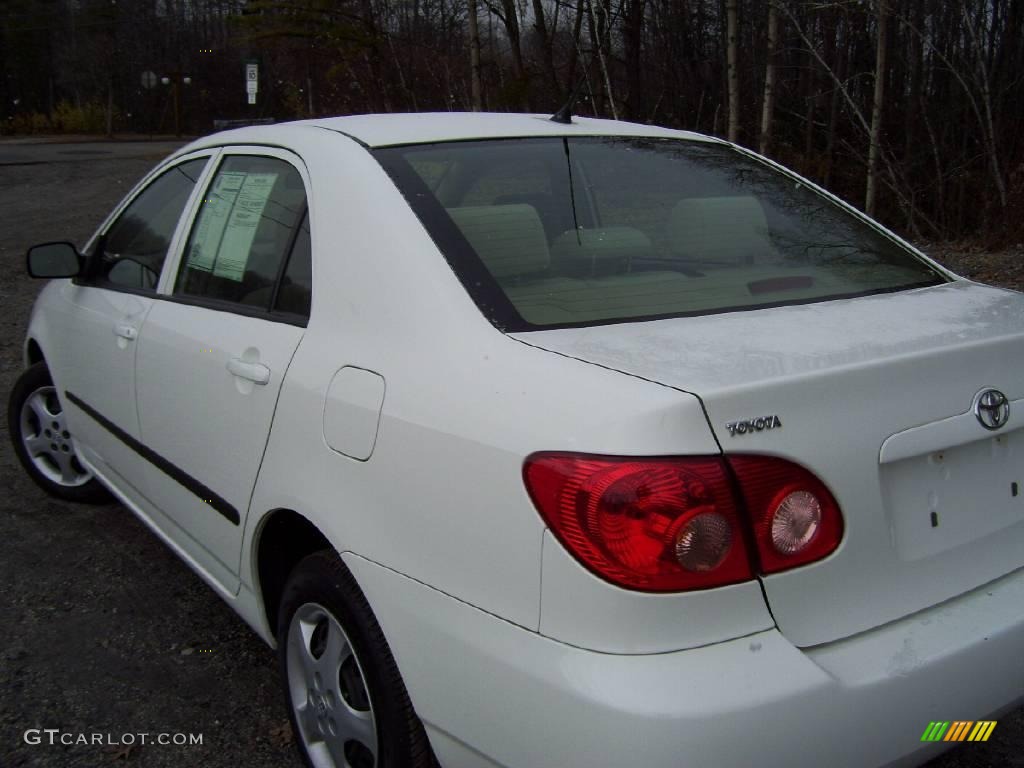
(255, 372)
(125, 331)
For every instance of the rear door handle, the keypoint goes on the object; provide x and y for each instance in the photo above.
(125, 332)
(255, 372)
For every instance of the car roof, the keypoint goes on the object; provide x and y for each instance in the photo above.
(428, 127)
(386, 130)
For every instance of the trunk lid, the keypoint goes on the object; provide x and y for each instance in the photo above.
(875, 396)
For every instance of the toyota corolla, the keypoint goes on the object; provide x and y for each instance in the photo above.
(530, 443)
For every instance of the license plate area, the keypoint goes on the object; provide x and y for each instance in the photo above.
(944, 499)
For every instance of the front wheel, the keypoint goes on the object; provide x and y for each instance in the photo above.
(43, 442)
(346, 700)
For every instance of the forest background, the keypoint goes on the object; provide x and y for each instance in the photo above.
(913, 110)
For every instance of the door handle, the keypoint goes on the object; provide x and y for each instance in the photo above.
(125, 332)
(255, 372)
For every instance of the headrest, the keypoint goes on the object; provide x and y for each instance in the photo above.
(718, 230)
(509, 239)
(599, 251)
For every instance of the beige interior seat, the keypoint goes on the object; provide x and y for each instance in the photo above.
(594, 252)
(719, 231)
(509, 239)
(555, 215)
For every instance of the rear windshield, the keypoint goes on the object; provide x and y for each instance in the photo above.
(553, 232)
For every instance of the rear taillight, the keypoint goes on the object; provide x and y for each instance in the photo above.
(659, 525)
(673, 524)
(794, 517)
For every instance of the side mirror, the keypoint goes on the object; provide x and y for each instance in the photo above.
(54, 260)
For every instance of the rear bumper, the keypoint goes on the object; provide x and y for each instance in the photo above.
(492, 693)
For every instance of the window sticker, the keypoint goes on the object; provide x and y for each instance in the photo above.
(240, 231)
(210, 229)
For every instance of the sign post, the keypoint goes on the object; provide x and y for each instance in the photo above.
(252, 80)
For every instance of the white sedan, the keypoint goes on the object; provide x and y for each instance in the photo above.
(538, 444)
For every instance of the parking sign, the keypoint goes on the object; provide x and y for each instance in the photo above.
(251, 79)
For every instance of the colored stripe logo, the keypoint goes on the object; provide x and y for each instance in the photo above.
(959, 730)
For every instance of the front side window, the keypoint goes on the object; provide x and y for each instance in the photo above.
(248, 225)
(551, 232)
(134, 248)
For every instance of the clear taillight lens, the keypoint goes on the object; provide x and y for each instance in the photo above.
(795, 518)
(795, 521)
(704, 542)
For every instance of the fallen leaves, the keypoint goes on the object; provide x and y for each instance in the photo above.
(123, 752)
(281, 734)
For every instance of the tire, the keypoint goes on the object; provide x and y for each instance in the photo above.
(42, 442)
(346, 701)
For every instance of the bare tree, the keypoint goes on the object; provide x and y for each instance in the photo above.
(597, 36)
(878, 106)
(574, 44)
(948, 82)
(474, 57)
(733, 72)
(509, 16)
(770, 72)
(984, 84)
(632, 39)
(546, 46)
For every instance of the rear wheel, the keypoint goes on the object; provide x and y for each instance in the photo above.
(346, 700)
(43, 441)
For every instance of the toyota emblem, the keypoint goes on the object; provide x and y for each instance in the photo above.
(992, 408)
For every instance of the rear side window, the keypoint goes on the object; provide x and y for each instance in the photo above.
(293, 294)
(244, 232)
(135, 245)
(558, 232)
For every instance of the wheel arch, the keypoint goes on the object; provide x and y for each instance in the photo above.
(33, 352)
(284, 538)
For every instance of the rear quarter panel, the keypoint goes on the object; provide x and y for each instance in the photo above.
(442, 499)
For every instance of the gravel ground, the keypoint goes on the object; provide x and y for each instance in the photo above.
(108, 632)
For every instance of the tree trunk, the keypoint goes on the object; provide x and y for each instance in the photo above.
(838, 47)
(988, 125)
(409, 92)
(110, 107)
(577, 27)
(876, 112)
(597, 34)
(511, 19)
(373, 57)
(474, 58)
(768, 106)
(632, 38)
(547, 47)
(912, 119)
(733, 74)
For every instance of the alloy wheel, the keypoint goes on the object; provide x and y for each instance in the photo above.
(333, 710)
(45, 435)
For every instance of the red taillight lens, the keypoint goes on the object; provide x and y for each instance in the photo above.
(658, 525)
(795, 518)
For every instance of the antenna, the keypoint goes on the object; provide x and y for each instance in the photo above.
(564, 114)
